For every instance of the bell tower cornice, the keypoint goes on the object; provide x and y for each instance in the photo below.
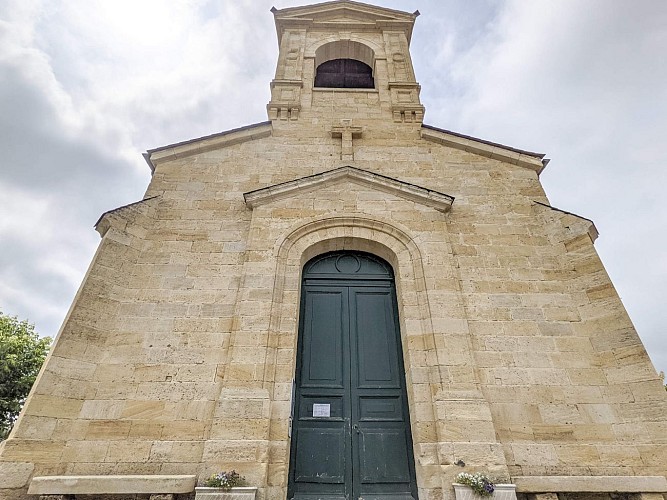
(353, 15)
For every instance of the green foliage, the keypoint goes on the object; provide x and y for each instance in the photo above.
(22, 353)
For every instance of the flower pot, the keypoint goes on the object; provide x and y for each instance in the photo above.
(501, 492)
(238, 493)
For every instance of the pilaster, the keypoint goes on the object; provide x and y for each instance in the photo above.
(285, 101)
(403, 86)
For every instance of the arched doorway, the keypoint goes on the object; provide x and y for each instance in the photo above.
(351, 429)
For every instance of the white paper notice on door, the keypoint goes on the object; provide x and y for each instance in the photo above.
(321, 410)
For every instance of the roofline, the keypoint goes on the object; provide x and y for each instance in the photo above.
(484, 141)
(187, 148)
(593, 231)
(211, 136)
(122, 207)
(147, 159)
(275, 11)
(493, 150)
(563, 211)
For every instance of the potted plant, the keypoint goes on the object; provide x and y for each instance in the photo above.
(225, 485)
(472, 486)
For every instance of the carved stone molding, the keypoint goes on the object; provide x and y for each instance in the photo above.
(285, 101)
(434, 199)
(591, 484)
(65, 487)
(347, 133)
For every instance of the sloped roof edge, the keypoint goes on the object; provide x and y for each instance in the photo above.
(341, 4)
(529, 159)
(593, 231)
(434, 199)
(301, 15)
(207, 143)
(101, 230)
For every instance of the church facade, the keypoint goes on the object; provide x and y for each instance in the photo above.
(343, 302)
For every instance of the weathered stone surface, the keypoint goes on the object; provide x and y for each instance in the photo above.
(584, 484)
(501, 492)
(15, 474)
(179, 353)
(545, 496)
(238, 493)
(92, 485)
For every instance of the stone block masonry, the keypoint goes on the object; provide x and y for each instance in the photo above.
(178, 355)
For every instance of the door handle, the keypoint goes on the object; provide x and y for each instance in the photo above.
(356, 428)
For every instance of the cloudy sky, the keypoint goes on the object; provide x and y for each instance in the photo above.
(86, 86)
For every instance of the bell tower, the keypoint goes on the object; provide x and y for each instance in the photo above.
(344, 60)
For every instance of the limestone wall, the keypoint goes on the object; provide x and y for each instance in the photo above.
(178, 355)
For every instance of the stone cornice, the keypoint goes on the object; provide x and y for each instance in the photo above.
(527, 159)
(434, 199)
(404, 85)
(592, 230)
(287, 83)
(101, 485)
(352, 15)
(208, 143)
(590, 484)
(116, 217)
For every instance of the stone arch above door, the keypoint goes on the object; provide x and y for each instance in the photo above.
(373, 236)
(396, 246)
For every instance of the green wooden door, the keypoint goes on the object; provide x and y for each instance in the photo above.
(351, 430)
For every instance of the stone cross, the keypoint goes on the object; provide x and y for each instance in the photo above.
(346, 132)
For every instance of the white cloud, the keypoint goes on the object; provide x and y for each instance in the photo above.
(85, 87)
(584, 83)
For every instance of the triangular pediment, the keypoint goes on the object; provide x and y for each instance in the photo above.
(341, 13)
(434, 199)
(345, 18)
(343, 10)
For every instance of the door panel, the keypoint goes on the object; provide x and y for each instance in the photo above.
(320, 457)
(321, 462)
(351, 434)
(372, 408)
(309, 406)
(323, 338)
(373, 330)
(383, 455)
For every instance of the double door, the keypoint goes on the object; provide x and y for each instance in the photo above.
(351, 432)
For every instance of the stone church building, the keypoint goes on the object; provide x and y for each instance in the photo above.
(343, 302)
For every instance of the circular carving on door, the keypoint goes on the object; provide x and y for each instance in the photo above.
(348, 264)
